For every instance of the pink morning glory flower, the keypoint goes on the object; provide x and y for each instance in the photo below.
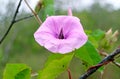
(61, 34)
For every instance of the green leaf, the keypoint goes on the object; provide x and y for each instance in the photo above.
(96, 36)
(55, 65)
(17, 71)
(47, 9)
(88, 54)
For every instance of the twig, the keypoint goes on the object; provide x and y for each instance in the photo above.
(105, 60)
(24, 18)
(69, 74)
(34, 13)
(102, 74)
(116, 63)
(12, 22)
(34, 74)
(105, 54)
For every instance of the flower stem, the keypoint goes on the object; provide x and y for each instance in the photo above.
(69, 74)
(34, 13)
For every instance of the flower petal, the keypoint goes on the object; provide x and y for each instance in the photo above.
(48, 32)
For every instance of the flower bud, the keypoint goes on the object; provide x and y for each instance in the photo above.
(108, 34)
(114, 36)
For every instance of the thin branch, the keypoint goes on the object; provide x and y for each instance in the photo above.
(116, 63)
(105, 54)
(34, 74)
(34, 13)
(12, 22)
(24, 18)
(69, 74)
(106, 60)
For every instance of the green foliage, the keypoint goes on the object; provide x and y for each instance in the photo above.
(55, 65)
(94, 18)
(47, 9)
(17, 71)
(86, 19)
(88, 54)
(96, 36)
(1, 54)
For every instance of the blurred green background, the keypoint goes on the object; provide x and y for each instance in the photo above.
(20, 46)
